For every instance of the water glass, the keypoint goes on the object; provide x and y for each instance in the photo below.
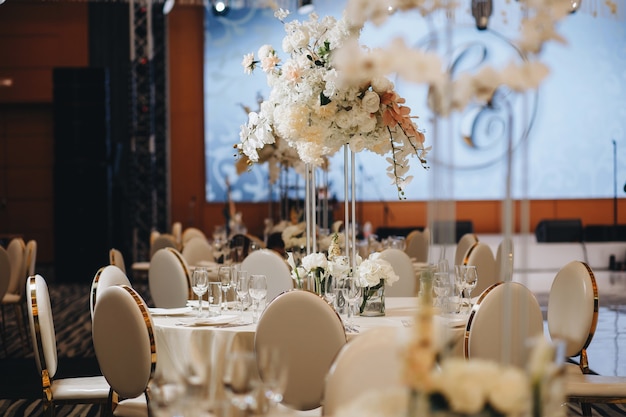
(273, 371)
(199, 285)
(240, 379)
(224, 274)
(258, 293)
(442, 287)
(215, 298)
(470, 281)
(242, 287)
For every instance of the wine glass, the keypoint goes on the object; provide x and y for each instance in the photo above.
(240, 379)
(351, 291)
(224, 275)
(258, 291)
(442, 288)
(470, 280)
(242, 287)
(459, 282)
(330, 293)
(273, 372)
(199, 285)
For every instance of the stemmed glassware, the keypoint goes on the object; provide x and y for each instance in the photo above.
(442, 287)
(258, 292)
(242, 288)
(273, 371)
(330, 284)
(351, 291)
(240, 379)
(470, 279)
(224, 273)
(459, 283)
(199, 285)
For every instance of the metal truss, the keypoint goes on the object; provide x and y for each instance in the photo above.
(148, 110)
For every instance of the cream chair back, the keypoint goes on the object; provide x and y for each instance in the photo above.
(106, 276)
(31, 260)
(169, 280)
(123, 339)
(17, 257)
(5, 271)
(42, 325)
(504, 260)
(463, 246)
(197, 250)
(503, 320)
(573, 309)
(418, 244)
(192, 232)
(177, 232)
(408, 284)
(163, 240)
(116, 258)
(269, 263)
(308, 334)
(481, 256)
(350, 376)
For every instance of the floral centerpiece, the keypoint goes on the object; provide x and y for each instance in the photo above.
(317, 111)
(373, 274)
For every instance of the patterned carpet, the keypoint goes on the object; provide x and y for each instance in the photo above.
(20, 386)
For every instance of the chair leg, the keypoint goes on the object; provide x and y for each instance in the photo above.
(48, 409)
(585, 408)
(19, 315)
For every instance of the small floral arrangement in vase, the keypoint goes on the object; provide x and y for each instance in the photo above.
(373, 274)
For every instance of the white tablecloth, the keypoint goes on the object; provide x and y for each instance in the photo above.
(184, 349)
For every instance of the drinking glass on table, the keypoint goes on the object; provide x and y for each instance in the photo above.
(199, 285)
(273, 372)
(258, 292)
(351, 291)
(442, 288)
(330, 293)
(470, 280)
(215, 298)
(242, 287)
(459, 283)
(224, 274)
(240, 379)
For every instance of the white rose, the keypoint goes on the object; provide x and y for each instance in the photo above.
(370, 102)
(265, 51)
(315, 260)
(357, 143)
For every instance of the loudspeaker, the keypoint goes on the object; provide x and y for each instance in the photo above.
(82, 172)
(562, 230)
(605, 233)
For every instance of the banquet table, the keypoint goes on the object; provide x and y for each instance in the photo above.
(186, 344)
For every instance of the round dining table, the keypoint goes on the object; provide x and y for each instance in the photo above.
(190, 345)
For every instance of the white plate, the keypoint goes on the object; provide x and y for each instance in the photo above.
(209, 321)
(179, 311)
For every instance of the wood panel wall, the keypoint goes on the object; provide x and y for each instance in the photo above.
(34, 38)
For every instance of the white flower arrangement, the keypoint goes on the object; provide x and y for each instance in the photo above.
(375, 271)
(317, 111)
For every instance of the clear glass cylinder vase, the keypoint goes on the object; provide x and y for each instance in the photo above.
(373, 301)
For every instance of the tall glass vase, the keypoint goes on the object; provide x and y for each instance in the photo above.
(349, 204)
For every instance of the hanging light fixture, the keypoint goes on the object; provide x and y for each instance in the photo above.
(168, 5)
(305, 6)
(481, 10)
(220, 7)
